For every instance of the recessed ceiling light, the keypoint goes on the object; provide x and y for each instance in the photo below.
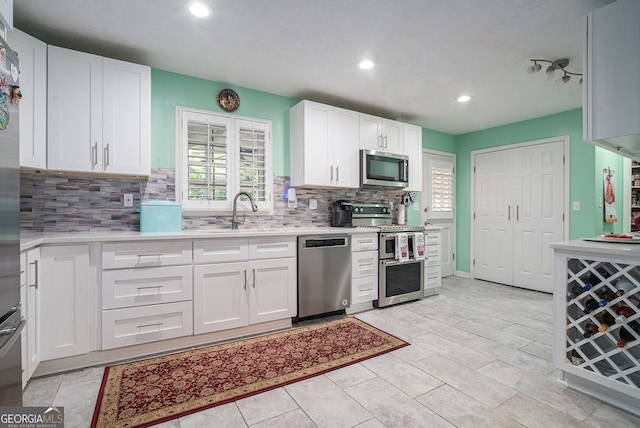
(199, 9)
(463, 98)
(366, 64)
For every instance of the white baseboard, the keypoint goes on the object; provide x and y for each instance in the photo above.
(463, 274)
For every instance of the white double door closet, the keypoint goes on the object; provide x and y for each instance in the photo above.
(518, 209)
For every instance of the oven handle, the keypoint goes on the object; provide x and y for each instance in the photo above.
(394, 262)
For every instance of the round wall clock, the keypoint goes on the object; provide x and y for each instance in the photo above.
(228, 100)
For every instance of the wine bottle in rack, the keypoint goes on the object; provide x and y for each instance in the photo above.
(606, 320)
(623, 313)
(590, 328)
(606, 295)
(624, 286)
(576, 358)
(625, 337)
(577, 290)
(592, 304)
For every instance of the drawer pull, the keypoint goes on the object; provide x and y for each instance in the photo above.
(254, 278)
(158, 324)
(35, 280)
(245, 279)
(365, 241)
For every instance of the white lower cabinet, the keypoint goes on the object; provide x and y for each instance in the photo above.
(30, 298)
(432, 262)
(147, 292)
(248, 291)
(364, 268)
(65, 310)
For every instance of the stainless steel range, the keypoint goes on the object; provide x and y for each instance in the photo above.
(398, 280)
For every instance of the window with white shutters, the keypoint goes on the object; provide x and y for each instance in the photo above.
(221, 155)
(442, 190)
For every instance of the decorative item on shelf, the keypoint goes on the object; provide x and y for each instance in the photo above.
(228, 100)
(558, 64)
(407, 199)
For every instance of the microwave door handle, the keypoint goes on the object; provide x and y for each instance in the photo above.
(406, 170)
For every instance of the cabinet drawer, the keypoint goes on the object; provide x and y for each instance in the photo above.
(364, 289)
(271, 248)
(432, 239)
(364, 263)
(365, 242)
(432, 277)
(432, 256)
(220, 250)
(132, 326)
(141, 254)
(136, 287)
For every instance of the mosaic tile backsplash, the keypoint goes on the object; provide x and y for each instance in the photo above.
(53, 202)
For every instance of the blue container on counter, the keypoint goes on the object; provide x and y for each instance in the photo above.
(160, 216)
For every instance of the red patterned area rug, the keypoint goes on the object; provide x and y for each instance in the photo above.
(155, 390)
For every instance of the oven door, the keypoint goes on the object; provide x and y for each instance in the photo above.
(400, 282)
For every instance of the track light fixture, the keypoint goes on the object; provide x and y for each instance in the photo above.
(558, 64)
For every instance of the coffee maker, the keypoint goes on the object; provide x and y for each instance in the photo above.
(341, 213)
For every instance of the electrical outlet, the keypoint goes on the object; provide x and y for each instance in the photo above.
(128, 199)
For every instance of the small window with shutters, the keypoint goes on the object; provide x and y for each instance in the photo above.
(222, 155)
(441, 198)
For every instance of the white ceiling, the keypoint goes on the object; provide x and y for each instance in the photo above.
(427, 52)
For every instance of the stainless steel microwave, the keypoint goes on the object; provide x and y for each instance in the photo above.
(383, 169)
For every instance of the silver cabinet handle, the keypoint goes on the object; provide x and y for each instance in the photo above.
(380, 143)
(386, 142)
(245, 279)
(337, 174)
(106, 156)
(331, 179)
(94, 154)
(157, 324)
(517, 212)
(36, 280)
(149, 286)
(509, 213)
(255, 279)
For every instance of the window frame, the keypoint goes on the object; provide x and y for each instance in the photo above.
(233, 125)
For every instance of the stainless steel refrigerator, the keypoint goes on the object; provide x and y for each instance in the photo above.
(11, 317)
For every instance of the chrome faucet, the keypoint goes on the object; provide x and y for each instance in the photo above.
(234, 221)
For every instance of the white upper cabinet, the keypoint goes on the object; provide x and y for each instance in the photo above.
(377, 133)
(6, 14)
(33, 106)
(611, 84)
(99, 114)
(324, 146)
(412, 142)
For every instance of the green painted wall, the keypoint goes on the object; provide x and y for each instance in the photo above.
(585, 183)
(169, 90)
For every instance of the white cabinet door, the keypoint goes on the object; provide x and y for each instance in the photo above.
(612, 64)
(33, 106)
(272, 294)
(65, 289)
(74, 122)
(412, 147)
(33, 311)
(220, 297)
(377, 133)
(312, 160)
(6, 13)
(345, 148)
(371, 132)
(392, 136)
(126, 132)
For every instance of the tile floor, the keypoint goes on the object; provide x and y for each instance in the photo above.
(480, 356)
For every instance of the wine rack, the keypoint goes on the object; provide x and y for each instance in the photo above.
(611, 286)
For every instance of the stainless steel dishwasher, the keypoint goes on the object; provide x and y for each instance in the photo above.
(324, 274)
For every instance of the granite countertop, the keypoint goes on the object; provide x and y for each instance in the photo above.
(33, 239)
(607, 248)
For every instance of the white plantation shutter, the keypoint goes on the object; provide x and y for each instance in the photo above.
(442, 191)
(253, 160)
(440, 188)
(220, 156)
